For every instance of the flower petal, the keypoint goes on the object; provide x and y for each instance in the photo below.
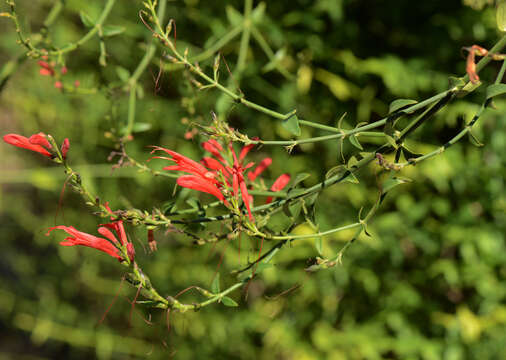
(23, 142)
(279, 185)
(200, 184)
(80, 238)
(264, 164)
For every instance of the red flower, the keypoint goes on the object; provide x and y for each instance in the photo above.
(108, 245)
(279, 185)
(80, 238)
(252, 175)
(45, 68)
(214, 148)
(201, 178)
(201, 184)
(206, 176)
(65, 148)
(238, 179)
(37, 143)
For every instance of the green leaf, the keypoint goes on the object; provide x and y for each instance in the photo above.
(501, 15)
(169, 206)
(392, 182)
(298, 179)
(86, 19)
(291, 124)
(318, 243)
(141, 127)
(399, 104)
(234, 16)
(122, 73)
(257, 14)
(354, 142)
(229, 302)
(341, 170)
(456, 82)
(340, 121)
(215, 286)
(336, 170)
(292, 210)
(112, 30)
(495, 90)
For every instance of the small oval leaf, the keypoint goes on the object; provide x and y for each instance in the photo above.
(399, 104)
(229, 302)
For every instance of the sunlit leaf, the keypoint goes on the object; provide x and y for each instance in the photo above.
(229, 302)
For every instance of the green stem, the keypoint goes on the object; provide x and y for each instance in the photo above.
(246, 32)
(308, 236)
(269, 53)
(72, 46)
(224, 40)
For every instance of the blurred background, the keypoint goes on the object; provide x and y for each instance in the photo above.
(428, 284)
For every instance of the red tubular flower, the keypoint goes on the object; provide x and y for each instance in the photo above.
(201, 184)
(264, 164)
(185, 164)
(37, 143)
(80, 238)
(65, 146)
(214, 148)
(238, 181)
(279, 185)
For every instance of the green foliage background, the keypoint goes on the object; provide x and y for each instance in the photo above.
(428, 284)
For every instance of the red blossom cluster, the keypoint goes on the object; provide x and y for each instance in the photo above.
(48, 69)
(221, 177)
(38, 143)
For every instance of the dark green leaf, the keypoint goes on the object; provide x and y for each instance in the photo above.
(292, 125)
(298, 179)
(341, 170)
(400, 104)
(495, 90)
(169, 206)
(392, 182)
